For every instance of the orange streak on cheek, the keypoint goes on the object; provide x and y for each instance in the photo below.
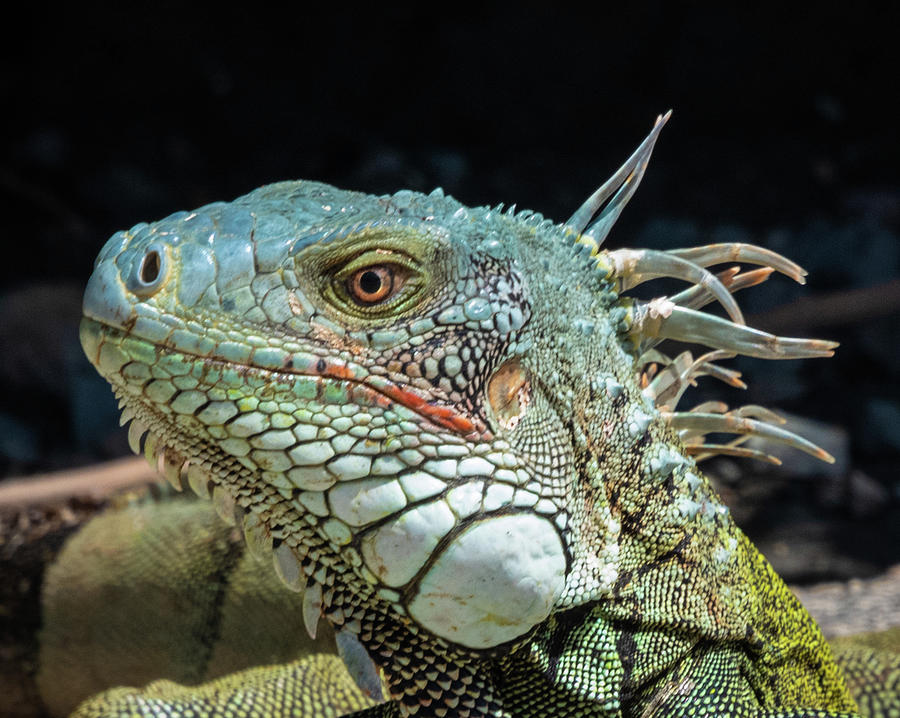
(440, 415)
(338, 371)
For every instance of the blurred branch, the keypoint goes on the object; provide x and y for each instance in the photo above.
(832, 309)
(92, 482)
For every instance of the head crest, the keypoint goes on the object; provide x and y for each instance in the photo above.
(679, 317)
(619, 188)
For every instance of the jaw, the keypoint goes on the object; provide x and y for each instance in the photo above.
(343, 485)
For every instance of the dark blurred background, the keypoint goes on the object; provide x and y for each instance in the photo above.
(784, 134)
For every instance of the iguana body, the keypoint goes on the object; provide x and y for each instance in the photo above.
(164, 588)
(440, 423)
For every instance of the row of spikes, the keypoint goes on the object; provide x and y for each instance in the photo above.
(666, 387)
(678, 317)
(296, 572)
(289, 563)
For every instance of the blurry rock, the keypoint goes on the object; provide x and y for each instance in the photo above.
(801, 551)
(856, 606)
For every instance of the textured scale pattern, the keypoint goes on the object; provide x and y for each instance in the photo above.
(304, 688)
(454, 434)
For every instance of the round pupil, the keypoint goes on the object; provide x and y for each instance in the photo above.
(370, 282)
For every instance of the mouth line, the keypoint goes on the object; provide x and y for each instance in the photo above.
(439, 414)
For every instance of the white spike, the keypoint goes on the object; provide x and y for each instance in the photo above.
(653, 356)
(359, 665)
(710, 254)
(667, 387)
(151, 450)
(755, 411)
(287, 566)
(136, 431)
(696, 297)
(172, 465)
(127, 415)
(660, 318)
(701, 452)
(312, 607)
(704, 367)
(223, 503)
(734, 281)
(635, 266)
(710, 407)
(257, 536)
(622, 185)
(701, 424)
(198, 480)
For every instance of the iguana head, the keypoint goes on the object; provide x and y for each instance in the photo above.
(419, 409)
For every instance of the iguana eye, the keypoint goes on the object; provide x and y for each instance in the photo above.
(374, 284)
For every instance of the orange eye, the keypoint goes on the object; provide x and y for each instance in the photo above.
(374, 284)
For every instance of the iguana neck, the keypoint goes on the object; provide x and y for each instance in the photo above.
(670, 567)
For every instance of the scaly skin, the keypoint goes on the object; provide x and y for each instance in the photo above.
(437, 422)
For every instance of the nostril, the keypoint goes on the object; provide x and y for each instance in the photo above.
(150, 273)
(150, 267)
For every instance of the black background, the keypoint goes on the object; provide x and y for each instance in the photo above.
(784, 133)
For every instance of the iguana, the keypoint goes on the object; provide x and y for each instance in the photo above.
(453, 432)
